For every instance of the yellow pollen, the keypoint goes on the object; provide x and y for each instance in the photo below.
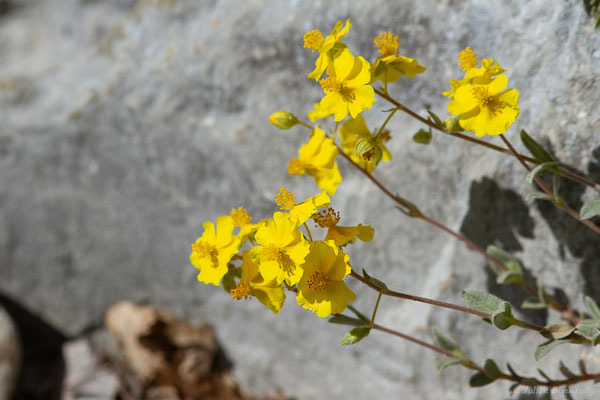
(240, 216)
(327, 218)
(203, 249)
(272, 253)
(241, 291)
(467, 59)
(297, 167)
(317, 281)
(387, 44)
(313, 40)
(285, 199)
(482, 95)
(331, 84)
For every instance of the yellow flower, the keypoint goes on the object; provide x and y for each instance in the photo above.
(213, 250)
(485, 108)
(342, 235)
(281, 250)
(317, 158)
(269, 293)
(302, 211)
(476, 76)
(322, 289)
(390, 66)
(347, 89)
(242, 220)
(317, 113)
(327, 47)
(356, 128)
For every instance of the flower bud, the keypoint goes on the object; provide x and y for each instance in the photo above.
(283, 119)
(451, 124)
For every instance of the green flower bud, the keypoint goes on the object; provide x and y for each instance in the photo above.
(283, 119)
(451, 124)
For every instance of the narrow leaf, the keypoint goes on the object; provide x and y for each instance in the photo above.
(557, 331)
(556, 186)
(535, 149)
(481, 301)
(446, 343)
(533, 303)
(592, 307)
(435, 118)
(442, 365)
(480, 379)
(547, 347)
(512, 371)
(588, 327)
(541, 169)
(542, 373)
(590, 209)
(539, 196)
(376, 282)
(566, 371)
(491, 369)
(422, 136)
(345, 320)
(509, 277)
(506, 259)
(355, 335)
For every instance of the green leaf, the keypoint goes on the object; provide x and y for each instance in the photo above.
(541, 169)
(228, 281)
(588, 328)
(512, 388)
(422, 136)
(491, 369)
(446, 343)
(556, 186)
(435, 118)
(535, 149)
(547, 347)
(480, 379)
(539, 196)
(379, 284)
(542, 373)
(533, 303)
(345, 320)
(590, 209)
(355, 335)
(442, 365)
(512, 371)
(592, 307)
(506, 259)
(502, 317)
(509, 277)
(542, 295)
(596, 337)
(566, 371)
(482, 301)
(557, 331)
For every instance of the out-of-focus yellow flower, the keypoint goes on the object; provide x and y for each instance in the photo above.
(322, 289)
(281, 249)
(347, 89)
(328, 47)
(317, 158)
(251, 283)
(342, 235)
(242, 220)
(485, 108)
(283, 119)
(390, 66)
(213, 250)
(302, 211)
(356, 128)
(476, 76)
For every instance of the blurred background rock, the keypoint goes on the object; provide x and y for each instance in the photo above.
(124, 125)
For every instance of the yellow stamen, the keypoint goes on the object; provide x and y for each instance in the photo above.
(467, 59)
(240, 216)
(297, 167)
(387, 44)
(241, 291)
(482, 95)
(327, 218)
(272, 253)
(331, 84)
(317, 281)
(285, 199)
(203, 249)
(313, 40)
(367, 155)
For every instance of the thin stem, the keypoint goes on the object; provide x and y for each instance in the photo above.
(545, 188)
(312, 128)
(375, 309)
(385, 123)
(567, 174)
(437, 303)
(308, 231)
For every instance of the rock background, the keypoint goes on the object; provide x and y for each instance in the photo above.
(124, 125)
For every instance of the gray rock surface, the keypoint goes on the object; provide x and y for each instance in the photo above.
(125, 125)
(10, 355)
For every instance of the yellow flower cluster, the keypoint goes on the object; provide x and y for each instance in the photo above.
(280, 255)
(480, 99)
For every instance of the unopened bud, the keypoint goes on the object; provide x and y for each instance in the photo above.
(283, 119)
(451, 124)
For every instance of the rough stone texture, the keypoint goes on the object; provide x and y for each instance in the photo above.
(125, 125)
(10, 355)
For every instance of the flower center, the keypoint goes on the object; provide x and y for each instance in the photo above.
(327, 218)
(241, 291)
(313, 40)
(317, 281)
(483, 96)
(272, 253)
(297, 167)
(285, 198)
(387, 44)
(203, 249)
(367, 155)
(240, 216)
(331, 84)
(467, 59)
